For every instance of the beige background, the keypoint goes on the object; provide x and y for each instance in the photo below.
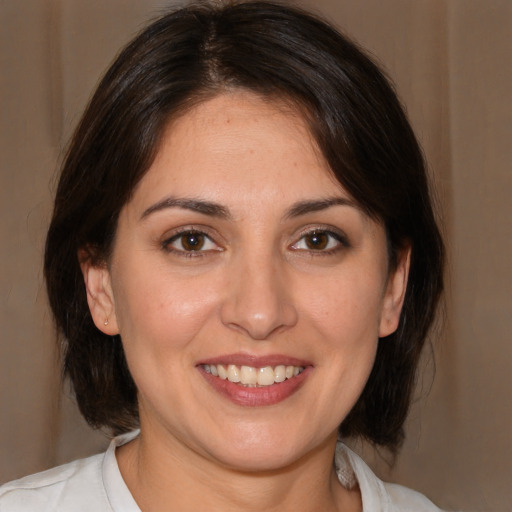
(451, 61)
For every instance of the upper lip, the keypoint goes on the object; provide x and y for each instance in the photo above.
(241, 359)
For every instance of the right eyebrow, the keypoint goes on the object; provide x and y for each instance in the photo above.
(305, 207)
(193, 204)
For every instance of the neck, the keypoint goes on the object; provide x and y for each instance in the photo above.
(166, 476)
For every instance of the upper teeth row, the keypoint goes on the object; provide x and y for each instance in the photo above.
(250, 376)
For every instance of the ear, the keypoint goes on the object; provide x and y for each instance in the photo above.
(99, 293)
(395, 294)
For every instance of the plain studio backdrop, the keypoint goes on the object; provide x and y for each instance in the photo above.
(451, 62)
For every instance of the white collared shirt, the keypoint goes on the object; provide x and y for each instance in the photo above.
(95, 484)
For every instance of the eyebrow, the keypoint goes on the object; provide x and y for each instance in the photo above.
(195, 205)
(305, 207)
(216, 210)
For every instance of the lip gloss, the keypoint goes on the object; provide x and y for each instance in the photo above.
(256, 396)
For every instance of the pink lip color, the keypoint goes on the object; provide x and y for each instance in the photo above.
(242, 359)
(256, 396)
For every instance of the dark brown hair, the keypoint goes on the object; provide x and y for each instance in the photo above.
(279, 52)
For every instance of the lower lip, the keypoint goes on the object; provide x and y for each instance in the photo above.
(256, 396)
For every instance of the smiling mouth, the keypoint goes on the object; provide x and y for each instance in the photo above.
(250, 376)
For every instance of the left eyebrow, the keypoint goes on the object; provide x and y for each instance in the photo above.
(304, 207)
(195, 205)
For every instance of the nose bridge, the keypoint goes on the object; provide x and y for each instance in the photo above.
(258, 301)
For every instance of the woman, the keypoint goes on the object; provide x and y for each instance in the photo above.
(243, 263)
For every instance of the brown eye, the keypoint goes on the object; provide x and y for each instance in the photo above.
(321, 241)
(317, 240)
(192, 241)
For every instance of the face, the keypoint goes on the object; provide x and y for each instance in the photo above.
(248, 288)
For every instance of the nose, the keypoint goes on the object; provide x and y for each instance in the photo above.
(258, 300)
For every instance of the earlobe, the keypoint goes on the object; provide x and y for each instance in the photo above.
(99, 294)
(395, 294)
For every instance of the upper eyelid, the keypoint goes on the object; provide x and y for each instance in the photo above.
(331, 230)
(203, 230)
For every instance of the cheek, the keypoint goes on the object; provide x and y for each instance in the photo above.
(161, 310)
(340, 324)
(346, 306)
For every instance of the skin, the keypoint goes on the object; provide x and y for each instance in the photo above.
(255, 288)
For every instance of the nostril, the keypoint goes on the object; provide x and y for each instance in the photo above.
(260, 324)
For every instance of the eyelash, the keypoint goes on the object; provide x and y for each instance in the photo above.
(191, 253)
(339, 239)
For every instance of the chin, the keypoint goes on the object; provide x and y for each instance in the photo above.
(261, 450)
(264, 460)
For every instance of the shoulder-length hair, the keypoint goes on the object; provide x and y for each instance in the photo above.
(278, 52)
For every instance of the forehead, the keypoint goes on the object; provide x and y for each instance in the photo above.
(238, 146)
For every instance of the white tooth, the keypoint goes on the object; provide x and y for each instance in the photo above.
(296, 371)
(233, 373)
(207, 368)
(266, 376)
(221, 371)
(280, 373)
(213, 370)
(289, 372)
(248, 375)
